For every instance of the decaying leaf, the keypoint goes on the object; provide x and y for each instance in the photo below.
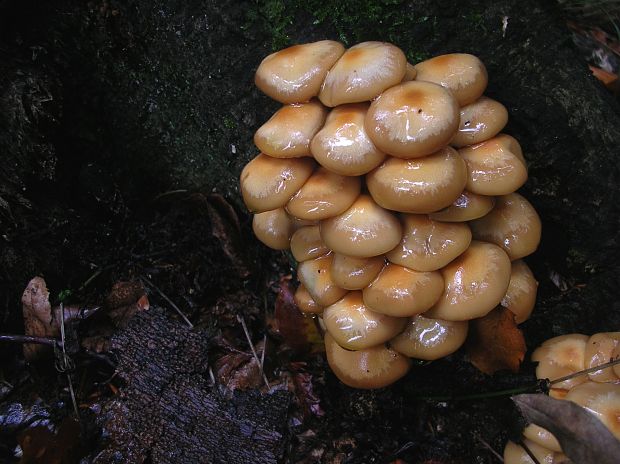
(303, 388)
(41, 446)
(38, 320)
(495, 342)
(584, 438)
(238, 370)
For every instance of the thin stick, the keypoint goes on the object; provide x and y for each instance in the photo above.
(165, 297)
(529, 453)
(586, 371)
(247, 335)
(489, 447)
(66, 363)
(480, 396)
(29, 339)
(262, 355)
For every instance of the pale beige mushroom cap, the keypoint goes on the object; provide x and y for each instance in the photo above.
(430, 339)
(600, 350)
(374, 367)
(562, 356)
(287, 134)
(475, 283)
(410, 73)
(355, 273)
(480, 121)
(466, 207)
(273, 228)
(412, 119)
(600, 399)
(343, 146)
(315, 275)
(465, 75)
(304, 301)
(520, 297)
(306, 243)
(542, 437)
(515, 454)
(295, 74)
(363, 72)
(428, 245)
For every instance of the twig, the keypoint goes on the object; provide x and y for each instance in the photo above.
(529, 453)
(165, 297)
(262, 355)
(481, 396)
(66, 364)
(247, 335)
(489, 447)
(606, 365)
(29, 339)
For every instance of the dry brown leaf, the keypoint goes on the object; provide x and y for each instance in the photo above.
(495, 342)
(41, 446)
(38, 320)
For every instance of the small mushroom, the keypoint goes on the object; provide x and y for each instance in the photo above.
(274, 228)
(325, 194)
(269, 183)
(315, 275)
(512, 224)
(542, 437)
(402, 292)
(421, 185)
(475, 283)
(465, 75)
(520, 297)
(466, 207)
(429, 245)
(600, 399)
(304, 301)
(412, 119)
(480, 121)
(430, 339)
(306, 243)
(296, 73)
(363, 72)
(343, 146)
(410, 73)
(599, 350)
(355, 273)
(355, 326)
(287, 134)
(516, 454)
(562, 356)
(362, 231)
(374, 367)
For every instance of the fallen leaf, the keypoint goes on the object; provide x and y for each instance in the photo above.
(41, 446)
(495, 342)
(238, 370)
(303, 387)
(584, 438)
(38, 320)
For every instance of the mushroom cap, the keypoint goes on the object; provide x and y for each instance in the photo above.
(516, 454)
(466, 207)
(465, 75)
(475, 283)
(304, 301)
(325, 194)
(274, 228)
(480, 121)
(599, 350)
(562, 356)
(374, 367)
(412, 119)
(600, 399)
(343, 146)
(495, 167)
(362, 231)
(354, 326)
(355, 273)
(420, 185)
(520, 297)
(512, 224)
(616, 355)
(430, 339)
(363, 72)
(306, 243)
(428, 245)
(402, 292)
(315, 275)
(410, 73)
(287, 134)
(269, 183)
(296, 73)
(542, 437)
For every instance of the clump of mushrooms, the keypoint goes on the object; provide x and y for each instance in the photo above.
(394, 188)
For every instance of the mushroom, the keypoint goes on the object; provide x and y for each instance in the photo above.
(466, 207)
(475, 283)
(274, 228)
(287, 134)
(495, 167)
(315, 275)
(512, 224)
(562, 356)
(410, 73)
(363, 72)
(599, 350)
(520, 297)
(355, 326)
(542, 437)
(421, 185)
(306, 243)
(295, 74)
(480, 121)
(325, 194)
(412, 119)
(304, 301)
(362, 231)
(465, 75)
(428, 245)
(600, 399)
(342, 145)
(269, 183)
(374, 367)
(429, 339)
(355, 273)
(516, 454)
(402, 292)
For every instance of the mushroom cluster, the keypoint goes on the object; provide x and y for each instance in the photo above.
(394, 188)
(598, 391)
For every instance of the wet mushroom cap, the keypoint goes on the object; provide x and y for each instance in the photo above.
(287, 134)
(430, 339)
(542, 437)
(374, 367)
(562, 356)
(306, 243)
(342, 145)
(420, 185)
(413, 119)
(480, 121)
(304, 301)
(466, 207)
(465, 75)
(315, 275)
(600, 399)
(363, 72)
(355, 326)
(475, 283)
(274, 228)
(428, 245)
(599, 350)
(296, 73)
(516, 454)
(355, 273)
(520, 297)
(269, 183)
(410, 73)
